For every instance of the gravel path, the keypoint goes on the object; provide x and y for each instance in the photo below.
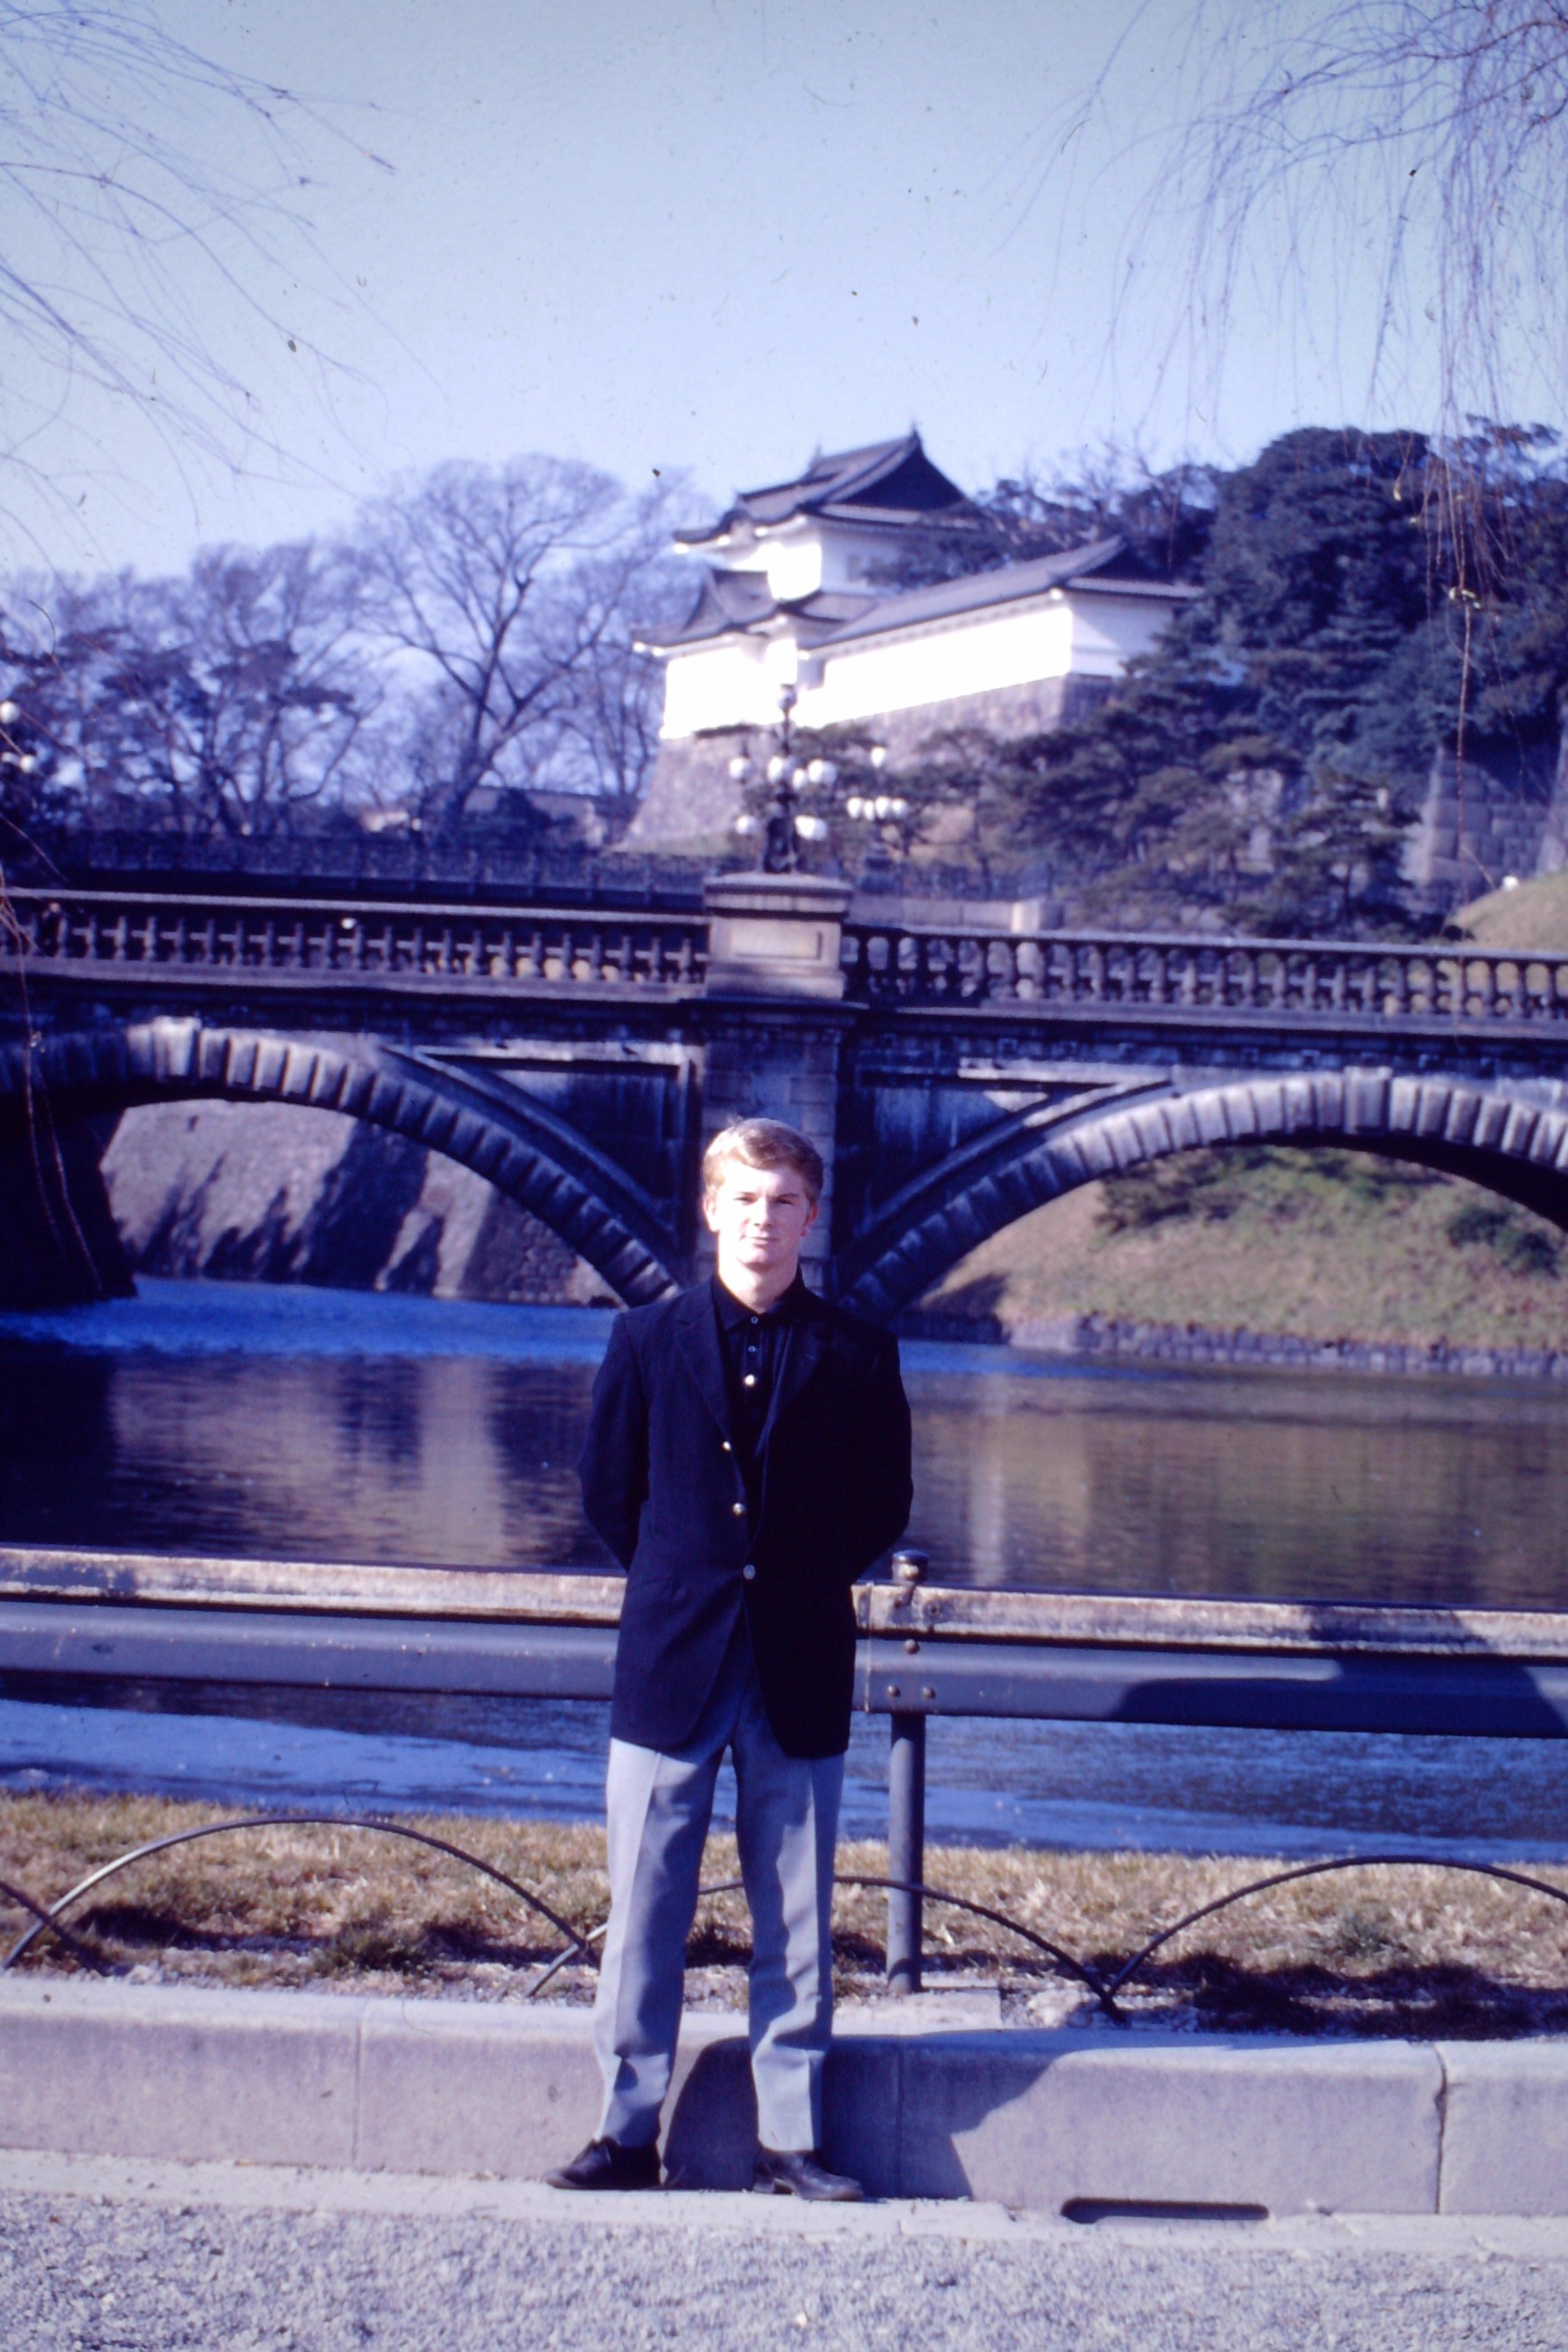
(99, 2254)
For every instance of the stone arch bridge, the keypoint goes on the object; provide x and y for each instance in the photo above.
(955, 1078)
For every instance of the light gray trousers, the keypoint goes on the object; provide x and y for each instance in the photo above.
(786, 1824)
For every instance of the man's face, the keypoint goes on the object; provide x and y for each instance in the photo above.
(761, 1215)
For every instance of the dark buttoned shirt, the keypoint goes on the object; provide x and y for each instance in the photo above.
(754, 1349)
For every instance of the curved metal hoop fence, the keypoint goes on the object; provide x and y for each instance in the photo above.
(1110, 1987)
(23, 1901)
(50, 1918)
(1064, 1960)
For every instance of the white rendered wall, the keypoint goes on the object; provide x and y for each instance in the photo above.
(1107, 631)
(973, 656)
(847, 555)
(806, 556)
(793, 563)
(737, 683)
(722, 685)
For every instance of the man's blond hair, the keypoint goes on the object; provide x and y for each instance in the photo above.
(763, 1143)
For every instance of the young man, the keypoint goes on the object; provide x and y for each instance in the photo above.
(747, 1459)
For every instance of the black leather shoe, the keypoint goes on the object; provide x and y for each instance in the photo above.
(604, 2163)
(796, 2171)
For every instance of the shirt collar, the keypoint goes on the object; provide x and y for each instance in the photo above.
(734, 1311)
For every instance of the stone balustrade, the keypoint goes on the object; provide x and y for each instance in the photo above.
(757, 953)
(1275, 980)
(320, 938)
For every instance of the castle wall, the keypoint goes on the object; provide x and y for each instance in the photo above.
(1503, 811)
(1109, 632)
(271, 1193)
(1021, 647)
(729, 684)
(691, 798)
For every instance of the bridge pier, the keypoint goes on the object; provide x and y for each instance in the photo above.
(773, 1023)
(58, 1243)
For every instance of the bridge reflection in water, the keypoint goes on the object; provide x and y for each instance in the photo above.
(244, 1418)
(234, 1419)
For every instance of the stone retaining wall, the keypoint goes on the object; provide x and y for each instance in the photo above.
(263, 1191)
(1192, 1344)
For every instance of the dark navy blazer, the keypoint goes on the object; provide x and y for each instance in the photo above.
(663, 1485)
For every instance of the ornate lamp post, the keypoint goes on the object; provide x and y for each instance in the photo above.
(787, 825)
(17, 761)
(875, 808)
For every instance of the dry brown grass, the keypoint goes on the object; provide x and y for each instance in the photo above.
(1296, 1253)
(1420, 1950)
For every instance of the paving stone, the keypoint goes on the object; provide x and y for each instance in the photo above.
(1506, 2127)
(266, 2077)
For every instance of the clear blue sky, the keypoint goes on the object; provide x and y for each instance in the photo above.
(701, 235)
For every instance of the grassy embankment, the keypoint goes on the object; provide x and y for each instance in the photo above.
(1323, 1245)
(1319, 1245)
(1417, 1951)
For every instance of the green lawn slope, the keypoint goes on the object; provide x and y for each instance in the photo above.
(1530, 915)
(1319, 1245)
(1311, 1245)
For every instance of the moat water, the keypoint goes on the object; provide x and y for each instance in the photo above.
(310, 1423)
(302, 1423)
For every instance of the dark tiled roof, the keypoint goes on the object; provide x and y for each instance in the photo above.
(738, 600)
(726, 600)
(1102, 565)
(731, 601)
(883, 481)
(832, 606)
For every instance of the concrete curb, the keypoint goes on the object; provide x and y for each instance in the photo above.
(1036, 2121)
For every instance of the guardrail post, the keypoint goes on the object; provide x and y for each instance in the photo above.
(907, 1848)
(906, 1820)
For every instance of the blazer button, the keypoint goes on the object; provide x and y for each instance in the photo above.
(739, 1509)
(749, 1570)
(725, 1446)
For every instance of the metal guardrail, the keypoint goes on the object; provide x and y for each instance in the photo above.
(126, 934)
(925, 1650)
(901, 1609)
(1267, 980)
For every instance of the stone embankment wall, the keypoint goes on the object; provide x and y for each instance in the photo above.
(1192, 1344)
(1501, 811)
(691, 800)
(266, 1193)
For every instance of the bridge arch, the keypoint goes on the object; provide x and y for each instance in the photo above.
(517, 1145)
(1512, 1142)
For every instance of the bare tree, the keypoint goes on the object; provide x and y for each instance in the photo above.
(1426, 140)
(151, 192)
(608, 735)
(231, 700)
(505, 598)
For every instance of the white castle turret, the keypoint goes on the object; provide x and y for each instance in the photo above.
(796, 595)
